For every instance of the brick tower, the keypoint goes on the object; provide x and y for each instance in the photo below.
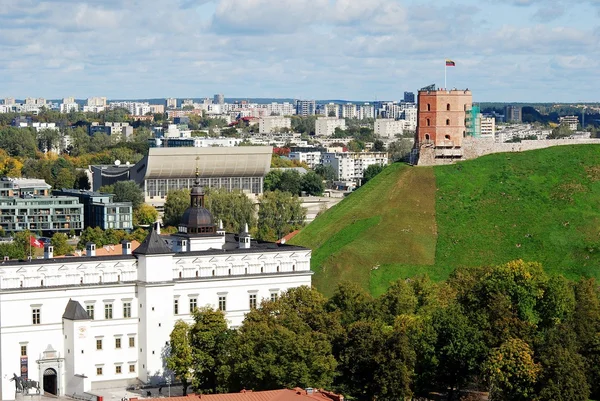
(441, 121)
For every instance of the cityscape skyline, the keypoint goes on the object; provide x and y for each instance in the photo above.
(518, 51)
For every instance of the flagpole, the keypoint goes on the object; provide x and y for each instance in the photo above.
(445, 68)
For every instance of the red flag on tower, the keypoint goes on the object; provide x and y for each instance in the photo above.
(35, 242)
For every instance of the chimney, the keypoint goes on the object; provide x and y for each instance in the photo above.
(244, 239)
(90, 249)
(157, 227)
(48, 251)
(220, 230)
(126, 247)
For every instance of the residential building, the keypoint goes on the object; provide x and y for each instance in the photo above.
(80, 323)
(198, 142)
(123, 130)
(187, 102)
(409, 97)
(157, 108)
(350, 166)
(8, 101)
(325, 126)
(267, 125)
(280, 109)
(21, 187)
(171, 103)
(45, 213)
(348, 110)
(409, 115)
(513, 114)
(388, 128)
(93, 109)
(570, 121)
(96, 102)
(331, 110)
(68, 106)
(40, 101)
(134, 108)
(488, 127)
(312, 159)
(442, 119)
(365, 111)
(100, 209)
(164, 169)
(219, 98)
(305, 107)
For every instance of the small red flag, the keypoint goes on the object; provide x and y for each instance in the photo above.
(35, 242)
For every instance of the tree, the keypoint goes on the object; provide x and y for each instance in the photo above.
(312, 184)
(512, 371)
(378, 146)
(356, 146)
(327, 172)
(60, 244)
(233, 208)
(94, 235)
(398, 300)
(64, 179)
(128, 191)
(18, 142)
(145, 215)
(371, 172)
(279, 214)
(180, 359)
(82, 181)
(48, 140)
(400, 149)
(272, 180)
(209, 337)
(561, 131)
(177, 202)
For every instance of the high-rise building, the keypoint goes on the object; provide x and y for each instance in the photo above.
(267, 125)
(305, 107)
(409, 97)
(513, 114)
(96, 101)
(441, 122)
(8, 101)
(488, 126)
(219, 98)
(171, 103)
(325, 126)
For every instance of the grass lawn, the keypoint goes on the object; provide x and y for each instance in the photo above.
(388, 223)
(541, 205)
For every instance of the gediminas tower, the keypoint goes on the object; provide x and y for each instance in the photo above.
(442, 122)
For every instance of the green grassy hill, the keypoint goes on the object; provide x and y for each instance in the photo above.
(541, 205)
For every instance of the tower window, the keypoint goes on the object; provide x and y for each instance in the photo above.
(428, 122)
(448, 107)
(447, 121)
(426, 137)
(447, 137)
(428, 107)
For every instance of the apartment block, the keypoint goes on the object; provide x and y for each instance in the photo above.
(312, 159)
(267, 125)
(325, 126)
(389, 128)
(350, 166)
(47, 213)
(100, 210)
(488, 127)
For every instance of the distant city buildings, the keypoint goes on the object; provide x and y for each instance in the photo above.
(350, 166)
(219, 98)
(305, 107)
(171, 103)
(570, 121)
(69, 105)
(409, 97)
(488, 127)
(267, 125)
(325, 126)
(122, 130)
(388, 128)
(513, 114)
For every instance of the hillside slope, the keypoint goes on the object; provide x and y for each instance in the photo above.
(541, 205)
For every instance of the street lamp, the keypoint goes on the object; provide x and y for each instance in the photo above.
(169, 384)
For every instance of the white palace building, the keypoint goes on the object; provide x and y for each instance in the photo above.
(75, 324)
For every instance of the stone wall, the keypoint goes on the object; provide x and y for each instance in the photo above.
(473, 148)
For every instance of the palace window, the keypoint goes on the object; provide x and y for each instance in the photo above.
(99, 344)
(131, 342)
(90, 311)
(108, 311)
(176, 307)
(117, 343)
(132, 368)
(126, 309)
(118, 369)
(222, 303)
(99, 371)
(23, 350)
(273, 296)
(36, 315)
(252, 301)
(193, 304)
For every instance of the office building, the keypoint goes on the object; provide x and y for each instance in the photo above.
(81, 323)
(219, 98)
(325, 126)
(409, 97)
(513, 114)
(267, 125)
(100, 210)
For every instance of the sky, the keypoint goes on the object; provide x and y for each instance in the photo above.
(504, 50)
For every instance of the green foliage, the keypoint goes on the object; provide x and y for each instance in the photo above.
(18, 142)
(180, 358)
(371, 172)
(177, 202)
(512, 371)
(109, 237)
(327, 172)
(279, 214)
(145, 215)
(128, 191)
(561, 131)
(60, 244)
(209, 342)
(312, 184)
(233, 208)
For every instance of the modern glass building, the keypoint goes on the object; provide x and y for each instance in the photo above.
(49, 213)
(101, 211)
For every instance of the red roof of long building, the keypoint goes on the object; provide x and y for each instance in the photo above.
(296, 394)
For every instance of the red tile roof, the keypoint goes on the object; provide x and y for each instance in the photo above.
(296, 394)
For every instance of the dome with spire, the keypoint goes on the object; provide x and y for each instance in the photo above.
(197, 219)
